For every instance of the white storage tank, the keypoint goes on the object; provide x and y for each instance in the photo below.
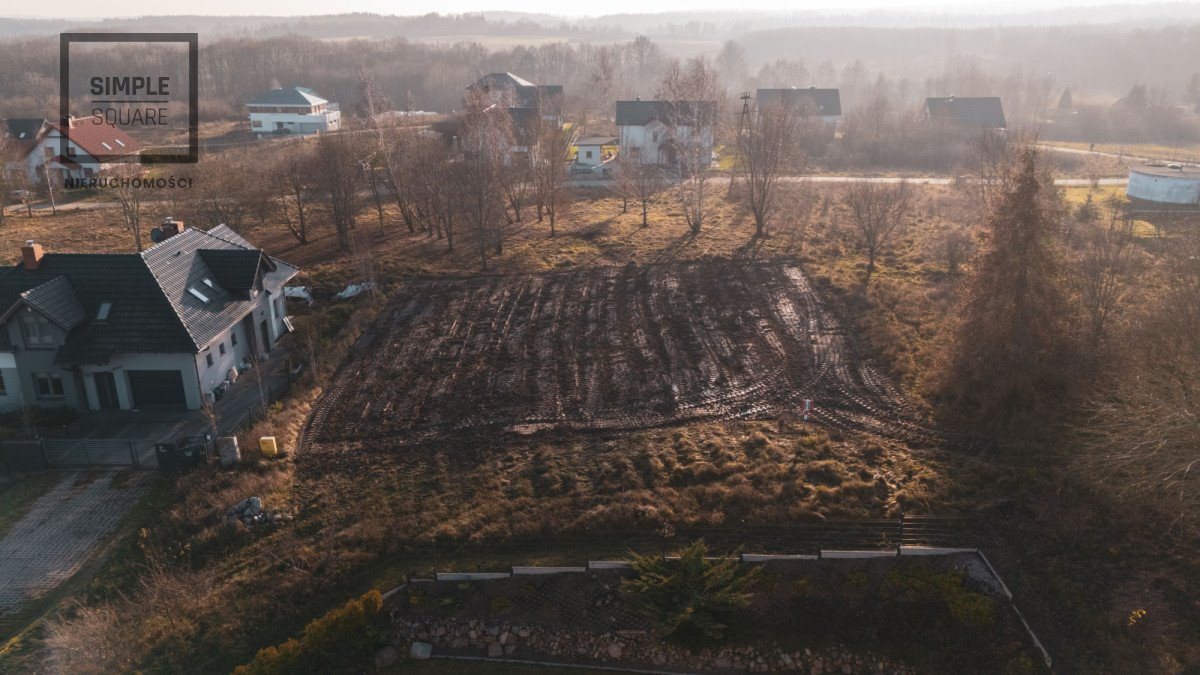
(1163, 183)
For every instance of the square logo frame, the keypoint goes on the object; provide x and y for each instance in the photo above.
(64, 91)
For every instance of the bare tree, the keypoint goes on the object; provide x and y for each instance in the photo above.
(767, 149)
(435, 187)
(486, 140)
(877, 212)
(47, 186)
(12, 172)
(1140, 431)
(1104, 265)
(693, 92)
(129, 195)
(293, 193)
(549, 168)
(340, 175)
(953, 246)
(639, 182)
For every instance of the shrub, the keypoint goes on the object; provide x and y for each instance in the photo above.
(690, 597)
(347, 632)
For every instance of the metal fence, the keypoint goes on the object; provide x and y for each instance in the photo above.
(83, 453)
(577, 549)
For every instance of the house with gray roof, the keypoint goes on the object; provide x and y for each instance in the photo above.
(966, 112)
(810, 101)
(659, 132)
(169, 326)
(512, 91)
(293, 110)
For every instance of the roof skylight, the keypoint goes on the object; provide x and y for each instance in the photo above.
(198, 295)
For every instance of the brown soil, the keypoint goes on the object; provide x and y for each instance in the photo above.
(607, 348)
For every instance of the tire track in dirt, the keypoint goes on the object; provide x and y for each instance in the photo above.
(608, 348)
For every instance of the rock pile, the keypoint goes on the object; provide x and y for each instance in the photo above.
(250, 512)
(633, 648)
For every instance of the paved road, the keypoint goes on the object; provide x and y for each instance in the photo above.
(62, 530)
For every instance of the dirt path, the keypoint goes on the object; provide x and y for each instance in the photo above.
(607, 348)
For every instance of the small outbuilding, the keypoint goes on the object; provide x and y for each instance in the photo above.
(592, 150)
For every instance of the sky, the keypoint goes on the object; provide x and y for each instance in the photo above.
(127, 8)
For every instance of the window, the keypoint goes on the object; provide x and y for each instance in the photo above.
(70, 151)
(38, 334)
(233, 338)
(198, 295)
(589, 154)
(102, 313)
(3, 387)
(257, 124)
(47, 385)
(222, 348)
(209, 359)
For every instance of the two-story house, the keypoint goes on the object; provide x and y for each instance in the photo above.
(91, 146)
(294, 110)
(659, 132)
(164, 327)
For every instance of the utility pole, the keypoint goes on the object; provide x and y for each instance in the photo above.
(743, 118)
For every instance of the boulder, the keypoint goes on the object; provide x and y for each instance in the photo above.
(495, 650)
(386, 657)
(615, 650)
(420, 650)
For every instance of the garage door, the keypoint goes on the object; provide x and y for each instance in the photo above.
(156, 388)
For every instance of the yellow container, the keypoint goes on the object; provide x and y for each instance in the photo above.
(267, 446)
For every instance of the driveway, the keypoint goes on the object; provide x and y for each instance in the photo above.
(61, 532)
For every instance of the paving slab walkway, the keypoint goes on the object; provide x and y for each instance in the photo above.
(63, 528)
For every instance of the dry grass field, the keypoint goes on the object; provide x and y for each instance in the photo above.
(365, 508)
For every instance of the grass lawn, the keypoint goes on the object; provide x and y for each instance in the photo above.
(1151, 150)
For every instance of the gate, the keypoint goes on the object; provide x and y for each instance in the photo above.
(84, 453)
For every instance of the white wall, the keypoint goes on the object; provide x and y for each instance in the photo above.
(651, 137)
(329, 120)
(120, 364)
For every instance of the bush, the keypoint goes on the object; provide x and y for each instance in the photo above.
(349, 632)
(690, 597)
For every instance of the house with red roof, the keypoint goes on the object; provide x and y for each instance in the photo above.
(92, 145)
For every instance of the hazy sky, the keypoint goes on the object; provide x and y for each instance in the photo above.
(127, 8)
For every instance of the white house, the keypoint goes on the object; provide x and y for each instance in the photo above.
(658, 132)
(295, 110)
(164, 327)
(92, 145)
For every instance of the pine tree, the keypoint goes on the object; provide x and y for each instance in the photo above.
(1007, 366)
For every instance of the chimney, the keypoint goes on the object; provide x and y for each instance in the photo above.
(169, 228)
(31, 255)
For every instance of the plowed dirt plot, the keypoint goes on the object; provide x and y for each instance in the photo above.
(606, 348)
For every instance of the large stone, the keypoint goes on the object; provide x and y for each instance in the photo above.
(420, 650)
(386, 657)
(495, 650)
(615, 650)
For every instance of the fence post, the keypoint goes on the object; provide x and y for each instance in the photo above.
(900, 544)
(133, 456)
(87, 454)
(435, 565)
(45, 453)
